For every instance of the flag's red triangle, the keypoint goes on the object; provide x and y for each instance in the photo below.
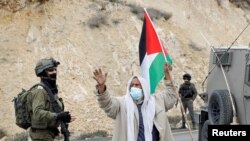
(153, 44)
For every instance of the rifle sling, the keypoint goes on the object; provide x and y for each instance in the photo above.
(55, 105)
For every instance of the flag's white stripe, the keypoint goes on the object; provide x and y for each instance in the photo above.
(145, 65)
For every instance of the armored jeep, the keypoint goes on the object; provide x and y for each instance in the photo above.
(227, 90)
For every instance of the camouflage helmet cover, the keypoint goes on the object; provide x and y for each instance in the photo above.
(187, 76)
(45, 63)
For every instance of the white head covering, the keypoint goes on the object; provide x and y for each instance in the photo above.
(148, 111)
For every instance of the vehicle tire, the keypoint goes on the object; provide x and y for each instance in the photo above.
(220, 108)
(204, 131)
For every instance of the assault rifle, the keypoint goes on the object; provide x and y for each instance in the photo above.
(57, 109)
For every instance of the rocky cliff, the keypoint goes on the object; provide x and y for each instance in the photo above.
(87, 34)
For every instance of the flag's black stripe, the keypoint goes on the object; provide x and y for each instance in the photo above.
(142, 43)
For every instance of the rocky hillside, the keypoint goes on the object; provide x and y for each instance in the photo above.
(87, 34)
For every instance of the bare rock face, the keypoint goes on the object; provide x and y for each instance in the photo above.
(85, 35)
(4, 138)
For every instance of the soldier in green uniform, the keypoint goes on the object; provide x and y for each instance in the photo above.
(45, 122)
(188, 93)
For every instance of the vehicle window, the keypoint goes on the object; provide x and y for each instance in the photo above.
(247, 77)
(225, 58)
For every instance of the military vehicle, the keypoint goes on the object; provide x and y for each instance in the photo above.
(227, 91)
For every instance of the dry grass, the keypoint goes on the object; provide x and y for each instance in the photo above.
(19, 137)
(245, 4)
(2, 133)
(194, 46)
(17, 5)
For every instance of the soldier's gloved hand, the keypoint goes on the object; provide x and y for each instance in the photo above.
(63, 116)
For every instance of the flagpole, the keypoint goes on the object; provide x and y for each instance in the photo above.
(171, 80)
(182, 108)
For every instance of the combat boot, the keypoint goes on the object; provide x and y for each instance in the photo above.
(183, 126)
(194, 126)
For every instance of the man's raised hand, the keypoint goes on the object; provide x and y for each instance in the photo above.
(100, 79)
(167, 70)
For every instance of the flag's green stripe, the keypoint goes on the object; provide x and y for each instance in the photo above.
(169, 59)
(156, 71)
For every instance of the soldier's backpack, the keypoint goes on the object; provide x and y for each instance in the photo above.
(22, 108)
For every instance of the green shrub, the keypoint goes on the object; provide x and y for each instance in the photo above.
(137, 10)
(98, 133)
(156, 14)
(153, 13)
(97, 21)
(117, 1)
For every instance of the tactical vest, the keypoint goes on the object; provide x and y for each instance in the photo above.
(186, 91)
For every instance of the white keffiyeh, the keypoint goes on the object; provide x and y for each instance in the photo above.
(148, 111)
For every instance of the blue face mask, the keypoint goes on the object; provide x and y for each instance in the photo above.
(136, 93)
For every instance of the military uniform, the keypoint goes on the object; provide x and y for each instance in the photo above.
(43, 120)
(188, 94)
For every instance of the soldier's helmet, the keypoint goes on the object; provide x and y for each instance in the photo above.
(45, 63)
(187, 76)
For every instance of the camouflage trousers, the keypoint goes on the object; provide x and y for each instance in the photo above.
(188, 104)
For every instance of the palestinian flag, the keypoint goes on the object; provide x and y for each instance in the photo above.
(152, 54)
